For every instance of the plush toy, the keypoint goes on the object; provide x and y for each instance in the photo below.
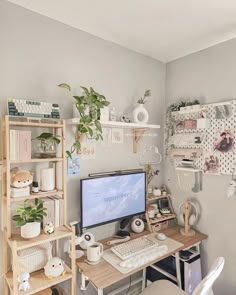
(23, 280)
(20, 178)
(54, 268)
(49, 228)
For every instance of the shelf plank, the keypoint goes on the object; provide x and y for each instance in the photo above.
(39, 125)
(153, 198)
(60, 233)
(157, 220)
(39, 195)
(36, 160)
(39, 282)
(115, 124)
(188, 111)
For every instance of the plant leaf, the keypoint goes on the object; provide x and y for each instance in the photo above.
(64, 85)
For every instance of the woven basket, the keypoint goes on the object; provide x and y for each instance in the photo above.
(34, 258)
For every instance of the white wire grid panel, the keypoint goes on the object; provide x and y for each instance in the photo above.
(207, 136)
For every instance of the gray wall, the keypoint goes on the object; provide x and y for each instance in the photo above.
(37, 53)
(210, 75)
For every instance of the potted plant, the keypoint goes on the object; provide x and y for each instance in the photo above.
(29, 218)
(196, 104)
(140, 114)
(46, 145)
(88, 105)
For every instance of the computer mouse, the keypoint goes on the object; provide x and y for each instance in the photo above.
(161, 236)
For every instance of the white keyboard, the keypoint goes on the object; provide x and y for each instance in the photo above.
(29, 108)
(144, 257)
(133, 247)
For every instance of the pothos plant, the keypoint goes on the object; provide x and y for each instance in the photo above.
(30, 212)
(88, 105)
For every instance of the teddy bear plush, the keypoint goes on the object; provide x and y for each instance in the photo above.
(20, 178)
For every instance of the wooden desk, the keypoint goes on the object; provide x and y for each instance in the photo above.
(104, 274)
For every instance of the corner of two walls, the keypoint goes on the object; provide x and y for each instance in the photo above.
(209, 75)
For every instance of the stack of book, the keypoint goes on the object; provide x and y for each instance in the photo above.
(20, 145)
(54, 207)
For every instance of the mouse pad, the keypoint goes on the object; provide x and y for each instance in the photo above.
(115, 261)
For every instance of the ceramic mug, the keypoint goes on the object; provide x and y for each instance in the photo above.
(94, 252)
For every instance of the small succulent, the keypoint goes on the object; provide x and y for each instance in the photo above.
(144, 99)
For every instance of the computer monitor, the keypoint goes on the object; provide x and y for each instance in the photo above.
(109, 198)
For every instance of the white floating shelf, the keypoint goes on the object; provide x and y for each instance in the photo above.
(115, 124)
(190, 111)
(138, 129)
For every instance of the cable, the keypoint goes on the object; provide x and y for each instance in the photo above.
(129, 286)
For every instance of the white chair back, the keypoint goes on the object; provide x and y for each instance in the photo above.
(205, 286)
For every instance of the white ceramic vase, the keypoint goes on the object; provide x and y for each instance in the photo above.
(140, 114)
(30, 230)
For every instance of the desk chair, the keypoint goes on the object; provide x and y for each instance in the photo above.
(164, 287)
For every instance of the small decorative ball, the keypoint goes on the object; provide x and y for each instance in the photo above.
(49, 228)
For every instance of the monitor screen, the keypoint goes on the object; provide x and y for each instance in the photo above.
(112, 197)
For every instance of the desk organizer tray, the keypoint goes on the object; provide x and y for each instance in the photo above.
(115, 261)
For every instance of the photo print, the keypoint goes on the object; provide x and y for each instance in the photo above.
(211, 164)
(223, 140)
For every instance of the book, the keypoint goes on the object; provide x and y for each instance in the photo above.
(24, 145)
(49, 204)
(12, 144)
(20, 145)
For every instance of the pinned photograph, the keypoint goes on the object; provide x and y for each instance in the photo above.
(223, 140)
(117, 135)
(73, 166)
(211, 164)
(223, 111)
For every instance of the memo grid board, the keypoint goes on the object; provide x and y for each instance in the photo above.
(207, 144)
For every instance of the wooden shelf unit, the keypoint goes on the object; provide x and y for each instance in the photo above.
(138, 129)
(12, 241)
(39, 282)
(153, 222)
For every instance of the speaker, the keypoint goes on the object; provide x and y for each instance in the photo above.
(87, 239)
(137, 225)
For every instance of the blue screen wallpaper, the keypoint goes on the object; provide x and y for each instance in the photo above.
(108, 198)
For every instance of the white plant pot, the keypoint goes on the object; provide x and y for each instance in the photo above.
(30, 230)
(140, 114)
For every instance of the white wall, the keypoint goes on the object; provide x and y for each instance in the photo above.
(209, 74)
(37, 53)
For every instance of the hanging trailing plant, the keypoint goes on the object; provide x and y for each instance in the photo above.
(88, 105)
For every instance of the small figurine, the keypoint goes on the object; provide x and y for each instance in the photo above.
(23, 280)
(54, 268)
(49, 228)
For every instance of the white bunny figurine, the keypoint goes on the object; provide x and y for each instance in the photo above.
(23, 280)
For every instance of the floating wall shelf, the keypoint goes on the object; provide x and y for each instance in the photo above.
(138, 129)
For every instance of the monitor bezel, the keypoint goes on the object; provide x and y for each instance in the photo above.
(116, 219)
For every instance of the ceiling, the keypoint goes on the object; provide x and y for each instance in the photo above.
(162, 29)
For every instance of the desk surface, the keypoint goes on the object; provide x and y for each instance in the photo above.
(104, 274)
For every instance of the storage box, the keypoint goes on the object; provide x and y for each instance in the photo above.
(34, 258)
(20, 192)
